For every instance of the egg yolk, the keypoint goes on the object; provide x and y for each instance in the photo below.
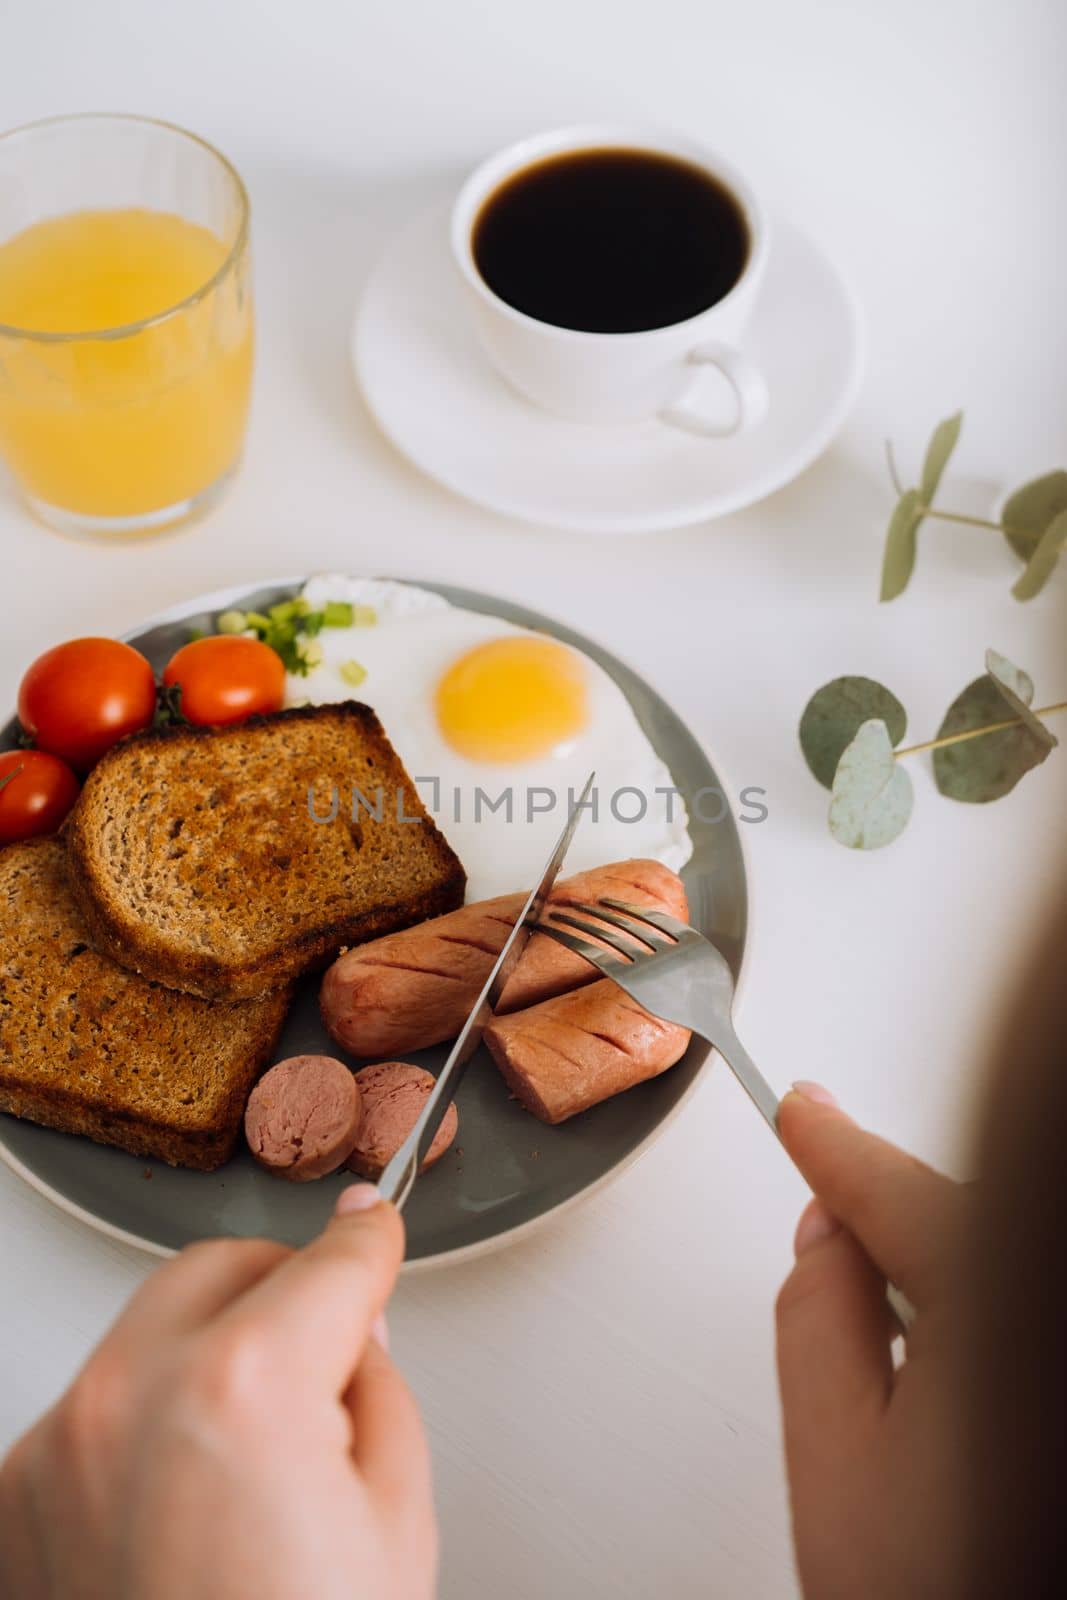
(512, 699)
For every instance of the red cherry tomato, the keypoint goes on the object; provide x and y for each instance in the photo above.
(80, 698)
(226, 678)
(36, 792)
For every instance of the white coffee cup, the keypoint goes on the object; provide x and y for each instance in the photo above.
(619, 377)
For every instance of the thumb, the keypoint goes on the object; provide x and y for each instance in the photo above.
(315, 1312)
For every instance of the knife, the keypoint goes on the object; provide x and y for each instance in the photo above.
(398, 1179)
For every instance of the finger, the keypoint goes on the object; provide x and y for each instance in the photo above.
(311, 1317)
(389, 1445)
(903, 1213)
(199, 1283)
(835, 1368)
(27, 1537)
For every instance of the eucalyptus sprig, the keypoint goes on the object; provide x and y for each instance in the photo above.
(1033, 519)
(989, 738)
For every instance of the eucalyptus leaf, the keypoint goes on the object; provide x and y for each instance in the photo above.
(1015, 683)
(1042, 563)
(872, 794)
(945, 438)
(1017, 689)
(900, 545)
(834, 715)
(989, 766)
(1028, 512)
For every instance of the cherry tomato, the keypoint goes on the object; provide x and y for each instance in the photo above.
(80, 698)
(36, 792)
(226, 678)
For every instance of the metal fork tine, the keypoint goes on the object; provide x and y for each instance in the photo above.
(655, 919)
(590, 952)
(625, 947)
(627, 927)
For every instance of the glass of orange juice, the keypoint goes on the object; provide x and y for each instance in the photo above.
(125, 321)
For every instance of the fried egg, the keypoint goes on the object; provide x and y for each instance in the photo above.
(499, 727)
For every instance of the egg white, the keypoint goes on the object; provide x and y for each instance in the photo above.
(416, 638)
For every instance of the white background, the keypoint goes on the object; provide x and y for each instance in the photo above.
(602, 1400)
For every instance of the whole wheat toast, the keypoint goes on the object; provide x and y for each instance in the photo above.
(198, 862)
(88, 1047)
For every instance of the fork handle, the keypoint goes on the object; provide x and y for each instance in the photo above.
(760, 1092)
(748, 1075)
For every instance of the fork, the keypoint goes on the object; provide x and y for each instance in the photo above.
(679, 977)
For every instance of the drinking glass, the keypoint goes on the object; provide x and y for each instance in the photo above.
(126, 327)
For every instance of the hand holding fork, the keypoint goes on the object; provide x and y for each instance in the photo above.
(679, 976)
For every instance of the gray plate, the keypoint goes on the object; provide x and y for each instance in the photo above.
(509, 1170)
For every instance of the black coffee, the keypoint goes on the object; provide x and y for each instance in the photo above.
(611, 241)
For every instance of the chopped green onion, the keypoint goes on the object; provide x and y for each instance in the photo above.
(292, 660)
(364, 616)
(290, 628)
(352, 673)
(310, 652)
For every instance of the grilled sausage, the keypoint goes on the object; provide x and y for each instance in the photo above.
(303, 1116)
(571, 1052)
(394, 1094)
(416, 988)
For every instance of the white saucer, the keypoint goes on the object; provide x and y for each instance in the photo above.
(437, 398)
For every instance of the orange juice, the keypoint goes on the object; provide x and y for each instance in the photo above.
(138, 402)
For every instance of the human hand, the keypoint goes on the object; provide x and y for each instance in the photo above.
(870, 1450)
(240, 1431)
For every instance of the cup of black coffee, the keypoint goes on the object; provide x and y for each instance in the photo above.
(604, 268)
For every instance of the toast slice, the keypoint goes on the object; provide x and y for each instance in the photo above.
(87, 1047)
(197, 860)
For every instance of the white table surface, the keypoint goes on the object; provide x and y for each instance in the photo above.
(602, 1399)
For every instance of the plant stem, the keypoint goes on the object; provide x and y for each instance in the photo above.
(951, 516)
(892, 464)
(976, 522)
(976, 733)
(970, 522)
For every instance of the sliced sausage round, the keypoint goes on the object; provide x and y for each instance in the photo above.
(303, 1117)
(394, 1094)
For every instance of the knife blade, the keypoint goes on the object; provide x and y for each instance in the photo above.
(398, 1178)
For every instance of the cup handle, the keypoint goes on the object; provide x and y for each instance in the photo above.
(746, 380)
